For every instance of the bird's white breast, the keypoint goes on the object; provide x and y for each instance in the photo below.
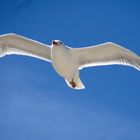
(63, 62)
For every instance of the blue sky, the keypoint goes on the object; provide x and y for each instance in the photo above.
(35, 103)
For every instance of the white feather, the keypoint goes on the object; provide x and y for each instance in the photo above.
(16, 44)
(105, 54)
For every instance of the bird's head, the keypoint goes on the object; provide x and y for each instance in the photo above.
(57, 43)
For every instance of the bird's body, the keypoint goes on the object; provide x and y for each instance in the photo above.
(68, 61)
(60, 56)
(63, 63)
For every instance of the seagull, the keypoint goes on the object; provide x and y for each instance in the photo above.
(69, 61)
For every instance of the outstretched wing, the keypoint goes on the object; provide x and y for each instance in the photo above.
(16, 44)
(105, 54)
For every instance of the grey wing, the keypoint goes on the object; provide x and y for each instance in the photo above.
(105, 54)
(16, 44)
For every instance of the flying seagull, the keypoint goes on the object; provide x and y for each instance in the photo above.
(68, 61)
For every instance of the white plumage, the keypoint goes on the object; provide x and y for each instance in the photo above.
(16, 44)
(67, 61)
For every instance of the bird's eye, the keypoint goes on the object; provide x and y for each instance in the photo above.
(60, 43)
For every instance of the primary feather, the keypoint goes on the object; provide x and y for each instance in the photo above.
(16, 44)
(105, 54)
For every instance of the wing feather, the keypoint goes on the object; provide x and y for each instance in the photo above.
(16, 44)
(105, 54)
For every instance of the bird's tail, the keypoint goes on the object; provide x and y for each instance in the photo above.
(78, 84)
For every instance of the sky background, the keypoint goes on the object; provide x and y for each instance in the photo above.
(35, 102)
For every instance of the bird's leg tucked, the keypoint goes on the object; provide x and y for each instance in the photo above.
(73, 83)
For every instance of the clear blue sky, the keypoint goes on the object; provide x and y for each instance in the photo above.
(36, 104)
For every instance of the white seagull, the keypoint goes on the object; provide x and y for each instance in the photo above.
(68, 61)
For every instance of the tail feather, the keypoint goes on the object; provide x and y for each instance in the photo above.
(79, 84)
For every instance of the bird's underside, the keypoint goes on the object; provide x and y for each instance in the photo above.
(103, 54)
